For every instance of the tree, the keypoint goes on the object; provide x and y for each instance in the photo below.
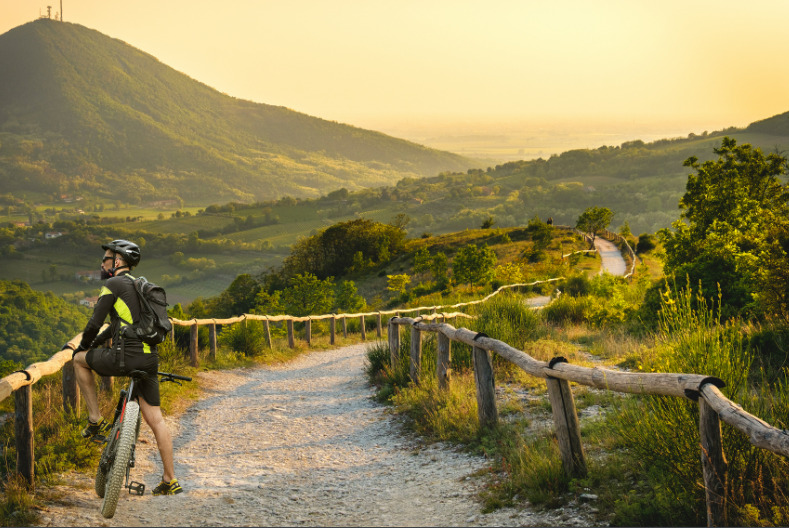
(594, 219)
(733, 231)
(474, 265)
(237, 299)
(347, 299)
(439, 269)
(398, 283)
(307, 295)
(422, 260)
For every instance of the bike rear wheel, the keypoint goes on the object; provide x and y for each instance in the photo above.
(124, 443)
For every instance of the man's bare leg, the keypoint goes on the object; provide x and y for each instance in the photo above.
(155, 420)
(87, 385)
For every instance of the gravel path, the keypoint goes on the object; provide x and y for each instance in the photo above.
(299, 444)
(613, 262)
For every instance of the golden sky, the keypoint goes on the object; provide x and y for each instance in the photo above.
(707, 64)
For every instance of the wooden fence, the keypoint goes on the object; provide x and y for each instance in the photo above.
(558, 373)
(334, 319)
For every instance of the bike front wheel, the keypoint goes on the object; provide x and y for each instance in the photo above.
(116, 475)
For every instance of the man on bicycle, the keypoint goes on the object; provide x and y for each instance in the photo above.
(118, 299)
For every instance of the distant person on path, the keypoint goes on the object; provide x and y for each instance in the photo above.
(118, 299)
(549, 221)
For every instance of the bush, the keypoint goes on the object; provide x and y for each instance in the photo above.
(568, 309)
(662, 433)
(646, 242)
(577, 286)
(248, 337)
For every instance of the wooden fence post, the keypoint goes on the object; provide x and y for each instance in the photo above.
(486, 392)
(193, 345)
(106, 382)
(566, 425)
(393, 333)
(363, 329)
(714, 464)
(378, 331)
(268, 334)
(212, 341)
(332, 329)
(71, 400)
(23, 433)
(308, 331)
(345, 327)
(291, 342)
(416, 354)
(444, 357)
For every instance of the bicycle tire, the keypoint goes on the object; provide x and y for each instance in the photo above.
(117, 472)
(100, 482)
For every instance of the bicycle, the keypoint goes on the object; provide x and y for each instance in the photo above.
(117, 457)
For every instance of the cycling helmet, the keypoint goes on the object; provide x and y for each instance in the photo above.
(128, 250)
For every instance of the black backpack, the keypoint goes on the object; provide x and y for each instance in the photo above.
(154, 323)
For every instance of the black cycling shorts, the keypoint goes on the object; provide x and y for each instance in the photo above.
(106, 362)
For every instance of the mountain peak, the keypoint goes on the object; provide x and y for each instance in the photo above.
(111, 121)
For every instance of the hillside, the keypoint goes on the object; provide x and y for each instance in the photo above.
(84, 114)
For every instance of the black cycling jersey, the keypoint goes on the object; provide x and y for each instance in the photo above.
(119, 300)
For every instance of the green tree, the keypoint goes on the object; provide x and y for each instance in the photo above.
(398, 283)
(347, 299)
(594, 219)
(440, 269)
(307, 294)
(733, 230)
(237, 299)
(474, 264)
(422, 260)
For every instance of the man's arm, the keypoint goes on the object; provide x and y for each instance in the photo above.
(100, 313)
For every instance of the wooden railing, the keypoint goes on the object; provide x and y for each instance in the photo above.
(705, 390)
(333, 319)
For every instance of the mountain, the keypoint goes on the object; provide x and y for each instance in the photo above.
(85, 114)
(777, 125)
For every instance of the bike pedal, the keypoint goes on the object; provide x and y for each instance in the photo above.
(136, 488)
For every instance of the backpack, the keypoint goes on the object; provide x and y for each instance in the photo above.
(154, 323)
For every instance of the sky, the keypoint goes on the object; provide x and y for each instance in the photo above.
(693, 64)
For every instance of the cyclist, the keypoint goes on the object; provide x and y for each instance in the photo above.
(118, 299)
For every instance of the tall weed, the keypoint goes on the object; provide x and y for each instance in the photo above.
(662, 432)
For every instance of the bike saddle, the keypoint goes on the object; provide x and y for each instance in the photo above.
(138, 374)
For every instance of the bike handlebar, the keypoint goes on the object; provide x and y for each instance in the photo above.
(167, 376)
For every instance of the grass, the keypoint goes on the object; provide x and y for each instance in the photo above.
(642, 452)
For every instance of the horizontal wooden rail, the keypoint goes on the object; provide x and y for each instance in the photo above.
(276, 318)
(714, 406)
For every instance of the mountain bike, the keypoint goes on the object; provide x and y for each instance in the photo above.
(117, 457)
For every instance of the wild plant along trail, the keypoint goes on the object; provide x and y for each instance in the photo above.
(299, 444)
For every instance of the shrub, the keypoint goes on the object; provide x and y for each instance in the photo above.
(248, 337)
(568, 309)
(662, 433)
(577, 286)
(646, 242)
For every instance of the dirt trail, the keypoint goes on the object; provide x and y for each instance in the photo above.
(613, 262)
(299, 444)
